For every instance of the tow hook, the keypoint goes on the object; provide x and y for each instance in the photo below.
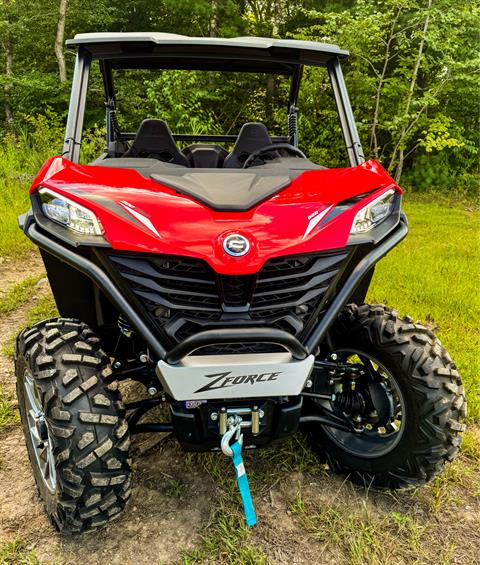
(234, 429)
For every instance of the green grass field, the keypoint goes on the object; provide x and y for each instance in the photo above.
(18, 165)
(434, 276)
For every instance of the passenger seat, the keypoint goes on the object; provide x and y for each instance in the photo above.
(155, 141)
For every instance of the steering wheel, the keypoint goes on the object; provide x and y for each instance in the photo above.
(273, 148)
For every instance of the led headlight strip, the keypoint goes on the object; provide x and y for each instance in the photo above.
(68, 213)
(373, 213)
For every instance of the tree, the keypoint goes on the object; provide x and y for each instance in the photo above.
(60, 39)
(8, 50)
(412, 74)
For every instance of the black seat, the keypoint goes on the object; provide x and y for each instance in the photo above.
(203, 156)
(252, 137)
(155, 141)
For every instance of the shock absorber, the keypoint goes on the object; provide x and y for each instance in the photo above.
(124, 326)
(293, 125)
(349, 401)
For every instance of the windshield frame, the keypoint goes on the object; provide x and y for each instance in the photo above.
(76, 113)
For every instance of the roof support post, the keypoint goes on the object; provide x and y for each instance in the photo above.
(109, 102)
(349, 129)
(76, 110)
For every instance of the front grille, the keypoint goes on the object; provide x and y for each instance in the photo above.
(183, 295)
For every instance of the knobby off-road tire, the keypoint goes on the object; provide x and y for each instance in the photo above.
(85, 421)
(431, 388)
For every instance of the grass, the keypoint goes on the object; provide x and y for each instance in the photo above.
(8, 413)
(18, 295)
(46, 308)
(434, 277)
(226, 538)
(471, 446)
(19, 163)
(15, 553)
(351, 529)
(344, 524)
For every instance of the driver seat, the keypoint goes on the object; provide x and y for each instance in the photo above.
(252, 137)
(155, 141)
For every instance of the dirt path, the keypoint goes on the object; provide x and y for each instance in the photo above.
(158, 520)
(304, 517)
(12, 271)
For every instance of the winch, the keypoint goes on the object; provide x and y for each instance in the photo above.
(255, 414)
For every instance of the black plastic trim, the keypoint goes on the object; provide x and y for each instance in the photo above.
(99, 277)
(244, 335)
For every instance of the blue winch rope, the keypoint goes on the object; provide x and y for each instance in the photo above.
(243, 485)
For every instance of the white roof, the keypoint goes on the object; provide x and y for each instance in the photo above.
(277, 46)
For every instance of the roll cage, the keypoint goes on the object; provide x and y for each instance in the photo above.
(169, 51)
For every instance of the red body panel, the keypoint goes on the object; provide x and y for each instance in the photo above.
(139, 214)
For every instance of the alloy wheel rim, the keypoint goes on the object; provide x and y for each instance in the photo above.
(373, 441)
(39, 433)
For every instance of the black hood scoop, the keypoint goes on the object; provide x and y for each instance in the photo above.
(229, 191)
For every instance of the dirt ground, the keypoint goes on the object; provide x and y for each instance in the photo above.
(304, 516)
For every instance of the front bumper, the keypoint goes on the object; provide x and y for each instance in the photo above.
(144, 331)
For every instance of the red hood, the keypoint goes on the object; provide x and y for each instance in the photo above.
(140, 214)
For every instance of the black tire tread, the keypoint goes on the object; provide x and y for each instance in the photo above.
(436, 384)
(85, 418)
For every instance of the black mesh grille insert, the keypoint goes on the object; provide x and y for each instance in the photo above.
(183, 295)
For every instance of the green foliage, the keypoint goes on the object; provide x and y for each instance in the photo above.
(9, 416)
(411, 71)
(412, 79)
(19, 162)
(18, 295)
(226, 539)
(46, 308)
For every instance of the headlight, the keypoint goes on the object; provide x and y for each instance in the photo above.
(68, 213)
(373, 213)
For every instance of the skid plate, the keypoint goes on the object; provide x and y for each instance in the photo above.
(207, 377)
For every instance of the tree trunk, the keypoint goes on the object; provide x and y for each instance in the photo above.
(8, 72)
(214, 19)
(8, 86)
(276, 21)
(413, 82)
(59, 40)
(373, 137)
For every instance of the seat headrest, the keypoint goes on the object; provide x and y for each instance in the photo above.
(154, 139)
(252, 137)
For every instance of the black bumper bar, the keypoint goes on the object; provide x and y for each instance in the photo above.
(237, 335)
(98, 276)
(211, 337)
(355, 278)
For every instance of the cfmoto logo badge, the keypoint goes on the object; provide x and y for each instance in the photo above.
(236, 245)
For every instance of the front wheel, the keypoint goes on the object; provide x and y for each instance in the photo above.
(407, 406)
(74, 425)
